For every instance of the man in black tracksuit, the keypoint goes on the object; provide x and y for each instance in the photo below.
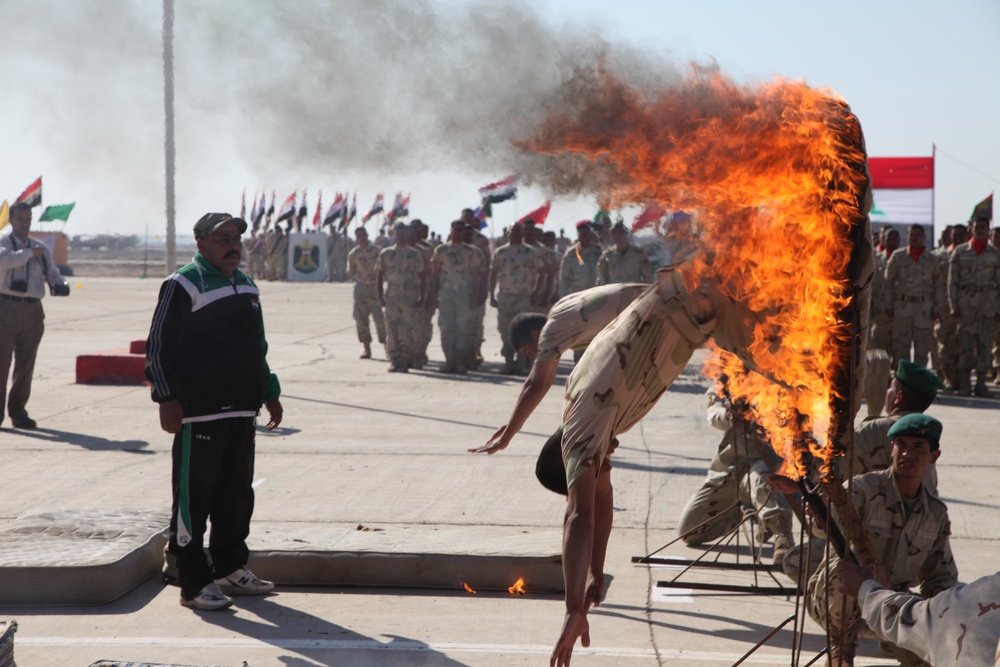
(206, 361)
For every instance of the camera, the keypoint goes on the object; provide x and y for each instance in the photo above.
(19, 285)
(59, 289)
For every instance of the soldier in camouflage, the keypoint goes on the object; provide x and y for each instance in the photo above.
(974, 296)
(401, 285)
(550, 262)
(623, 262)
(456, 269)
(946, 331)
(916, 297)
(425, 316)
(578, 266)
(517, 270)
(361, 268)
(477, 239)
(881, 329)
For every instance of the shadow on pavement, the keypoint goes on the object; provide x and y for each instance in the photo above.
(85, 440)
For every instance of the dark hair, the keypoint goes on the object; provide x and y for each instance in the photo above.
(523, 326)
(934, 443)
(19, 206)
(550, 469)
(913, 400)
(917, 226)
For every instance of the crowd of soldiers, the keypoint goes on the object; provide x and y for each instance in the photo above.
(941, 306)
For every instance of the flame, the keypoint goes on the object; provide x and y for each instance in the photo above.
(518, 587)
(468, 588)
(774, 177)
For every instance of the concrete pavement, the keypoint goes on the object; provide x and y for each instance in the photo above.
(361, 447)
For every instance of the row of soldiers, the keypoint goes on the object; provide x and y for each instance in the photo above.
(412, 279)
(941, 305)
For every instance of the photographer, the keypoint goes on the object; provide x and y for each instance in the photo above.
(26, 266)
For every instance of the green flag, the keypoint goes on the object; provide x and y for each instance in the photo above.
(60, 212)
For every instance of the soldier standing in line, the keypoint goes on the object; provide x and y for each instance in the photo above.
(995, 242)
(916, 295)
(341, 249)
(578, 267)
(362, 270)
(517, 269)
(273, 249)
(552, 295)
(974, 295)
(331, 244)
(881, 322)
(456, 269)
(400, 284)
(425, 315)
(623, 262)
(550, 262)
(479, 240)
(947, 329)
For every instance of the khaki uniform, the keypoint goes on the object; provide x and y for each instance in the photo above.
(578, 268)
(550, 267)
(517, 268)
(626, 369)
(974, 291)
(361, 268)
(575, 320)
(342, 246)
(255, 249)
(482, 243)
(425, 316)
(277, 257)
(914, 548)
(915, 291)
(872, 450)
(959, 626)
(403, 270)
(628, 266)
(946, 330)
(712, 510)
(458, 269)
(880, 335)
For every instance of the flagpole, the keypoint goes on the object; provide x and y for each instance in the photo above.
(169, 148)
(934, 234)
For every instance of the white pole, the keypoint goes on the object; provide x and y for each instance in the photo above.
(169, 148)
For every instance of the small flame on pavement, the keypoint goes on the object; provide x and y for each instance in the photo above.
(518, 587)
(468, 588)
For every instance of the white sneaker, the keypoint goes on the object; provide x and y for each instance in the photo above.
(209, 599)
(244, 582)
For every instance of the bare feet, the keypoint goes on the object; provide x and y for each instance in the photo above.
(575, 626)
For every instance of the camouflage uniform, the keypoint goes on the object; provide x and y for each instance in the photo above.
(517, 268)
(959, 626)
(873, 451)
(331, 243)
(626, 369)
(277, 257)
(342, 247)
(361, 269)
(402, 268)
(255, 257)
(628, 266)
(576, 319)
(880, 335)
(974, 291)
(458, 268)
(578, 268)
(946, 330)
(425, 316)
(480, 241)
(916, 291)
(711, 511)
(550, 267)
(913, 546)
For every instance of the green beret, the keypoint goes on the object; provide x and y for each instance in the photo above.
(916, 377)
(917, 424)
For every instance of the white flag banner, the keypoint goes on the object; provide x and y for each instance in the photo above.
(902, 207)
(306, 257)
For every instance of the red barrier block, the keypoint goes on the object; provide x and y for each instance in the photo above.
(116, 367)
(137, 347)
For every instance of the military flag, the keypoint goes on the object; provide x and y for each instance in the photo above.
(902, 190)
(983, 209)
(319, 210)
(351, 213)
(32, 195)
(483, 211)
(502, 190)
(377, 207)
(288, 208)
(336, 210)
(651, 213)
(58, 212)
(539, 215)
(258, 211)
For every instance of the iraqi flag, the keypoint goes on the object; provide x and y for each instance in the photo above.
(538, 215)
(288, 208)
(32, 195)
(259, 210)
(902, 190)
(377, 207)
(319, 209)
(336, 210)
(351, 213)
(502, 190)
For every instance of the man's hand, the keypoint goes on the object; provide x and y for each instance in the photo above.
(38, 250)
(275, 412)
(783, 484)
(595, 589)
(171, 414)
(498, 441)
(574, 626)
(851, 576)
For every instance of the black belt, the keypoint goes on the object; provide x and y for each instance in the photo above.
(912, 299)
(11, 297)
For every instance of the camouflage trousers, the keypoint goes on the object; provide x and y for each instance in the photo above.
(478, 334)
(712, 511)
(510, 306)
(825, 604)
(880, 337)
(912, 326)
(401, 321)
(457, 322)
(946, 333)
(975, 343)
(366, 307)
(423, 335)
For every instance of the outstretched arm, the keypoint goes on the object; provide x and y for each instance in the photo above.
(540, 379)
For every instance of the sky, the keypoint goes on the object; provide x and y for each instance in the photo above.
(424, 96)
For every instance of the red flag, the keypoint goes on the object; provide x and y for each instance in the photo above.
(539, 214)
(652, 213)
(319, 207)
(32, 195)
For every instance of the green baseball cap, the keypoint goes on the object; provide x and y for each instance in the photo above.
(916, 377)
(918, 424)
(212, 221)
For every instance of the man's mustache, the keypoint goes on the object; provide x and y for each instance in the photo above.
(232, 253)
